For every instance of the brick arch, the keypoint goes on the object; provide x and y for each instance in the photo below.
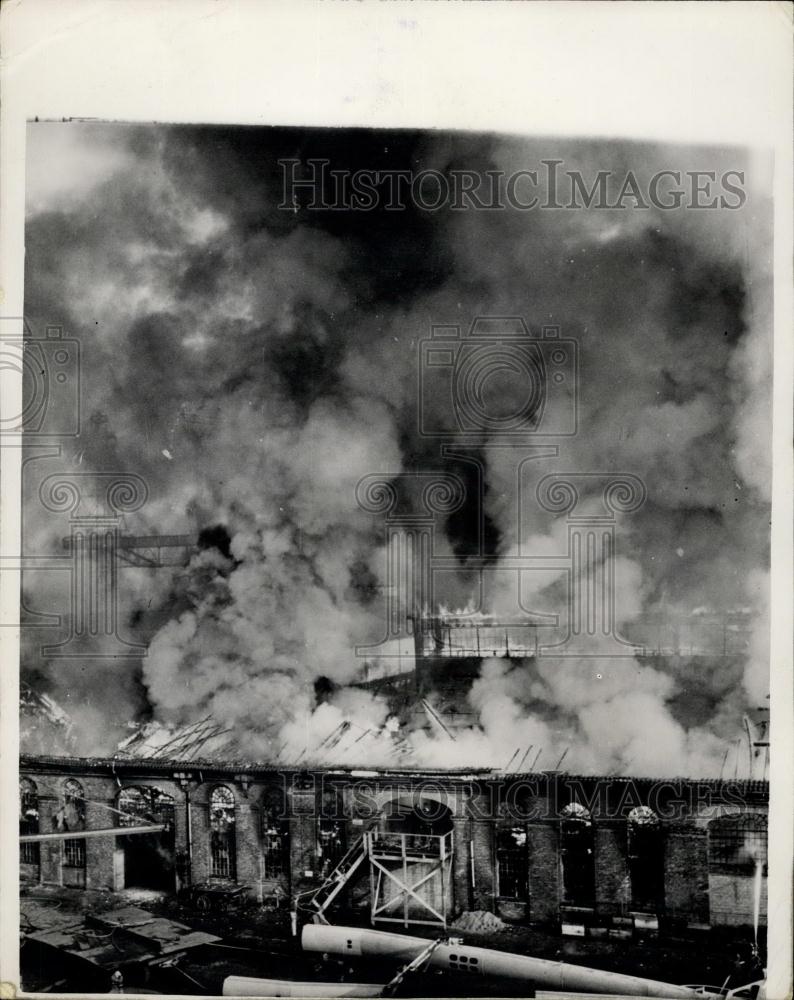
(221, 793)
(738, 812)
(29, 793)
(517, 801)
(204, 790)
(71, 815)
(47, 786)
(165, 785)
(575, 812)
(452, 800)
(642, 815)
(127, 792)
(704, 815)
(577, 855)
(645, 846)
(273, 797)
(737, 842)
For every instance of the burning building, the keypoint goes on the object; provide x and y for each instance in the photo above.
(240, 723)
(406, 845)
(433, 687)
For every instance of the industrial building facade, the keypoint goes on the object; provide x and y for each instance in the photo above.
(406, 846)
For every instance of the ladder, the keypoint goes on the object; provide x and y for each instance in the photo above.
(319, 899)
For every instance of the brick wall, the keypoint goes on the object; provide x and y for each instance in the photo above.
(99, 793)
(731, 900)
(544, 872)
(200, 835)
(247, 826)
(461, 865)
(483, 894)
(50, 853)
(99, 850)
(687, 886)
(612, 887)
(304, 861)
(686, 873)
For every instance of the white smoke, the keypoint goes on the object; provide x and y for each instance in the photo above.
(253, 376)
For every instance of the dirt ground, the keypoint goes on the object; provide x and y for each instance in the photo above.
(258, 942)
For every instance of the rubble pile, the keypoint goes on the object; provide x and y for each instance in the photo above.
(479, 922)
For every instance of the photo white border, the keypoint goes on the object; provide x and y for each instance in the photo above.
(679, 72)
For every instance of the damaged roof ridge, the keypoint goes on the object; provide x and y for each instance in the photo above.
(242, 766)
(253, 767)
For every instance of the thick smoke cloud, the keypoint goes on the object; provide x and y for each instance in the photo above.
(252, 364)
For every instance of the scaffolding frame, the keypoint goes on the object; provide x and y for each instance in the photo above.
(390, 854)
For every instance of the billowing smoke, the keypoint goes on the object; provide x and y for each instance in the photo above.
(253, 364)
(593, 716)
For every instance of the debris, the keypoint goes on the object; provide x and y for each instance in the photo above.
(43, 723)
(436, 720)
(46, 915)
(153, 740)
(479, 922)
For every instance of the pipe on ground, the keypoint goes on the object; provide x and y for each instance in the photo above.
(463, 958)
(248, 986)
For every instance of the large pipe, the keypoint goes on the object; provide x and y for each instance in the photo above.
(114, 831)
(486, 962)
(247, 986)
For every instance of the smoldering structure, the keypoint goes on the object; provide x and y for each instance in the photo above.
(405, 846)
(252, 720)
(253, 365)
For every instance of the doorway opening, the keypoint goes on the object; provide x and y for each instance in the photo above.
(145, 860)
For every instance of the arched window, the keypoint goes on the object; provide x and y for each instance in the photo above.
(646, 859)
(577, 856)
(223, 853)
(71, 817)
(738, 844)
(512, 869)
(28, 820)
(142, 805)
(132, 807)
(576, 811)
(275, 834)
